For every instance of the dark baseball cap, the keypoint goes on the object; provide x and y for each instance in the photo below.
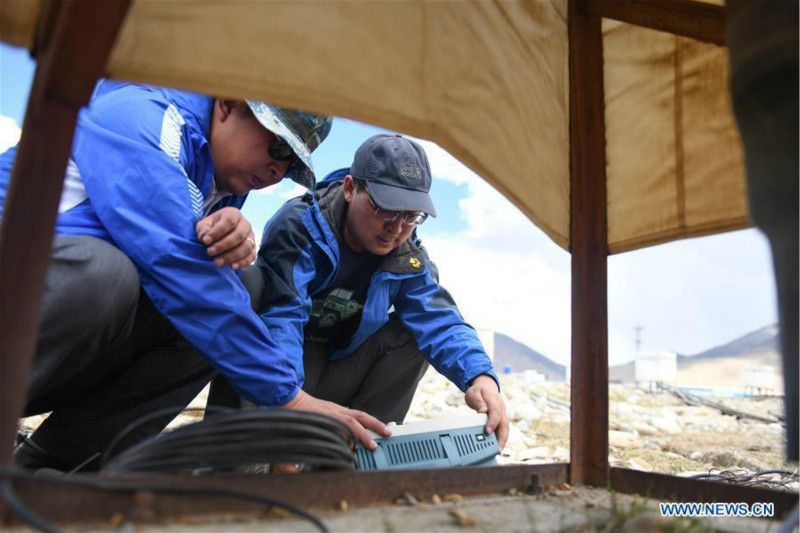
(396, 171)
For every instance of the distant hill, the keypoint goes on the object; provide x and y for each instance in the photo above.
(761, 343)
(721, 365)
(520, 357)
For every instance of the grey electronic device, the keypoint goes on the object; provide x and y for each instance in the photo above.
(456, 441)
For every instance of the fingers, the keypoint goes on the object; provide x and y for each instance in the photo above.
(498, 420)
(502, 432)
(285, 468)
(355, 420)
(358, 430)
(203, 227)
(493, 419)
(218, 224)
(223, 242)
(229, 237)
(484, 397)
(370, 422)
(234, 250)
(479, 404)
(359, 422)
(474, 399)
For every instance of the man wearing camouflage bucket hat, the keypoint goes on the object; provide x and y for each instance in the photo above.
(142, 302)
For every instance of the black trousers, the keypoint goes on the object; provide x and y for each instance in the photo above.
(105, 356)
(380, 377)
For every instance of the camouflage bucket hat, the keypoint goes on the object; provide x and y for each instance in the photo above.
(301, 130)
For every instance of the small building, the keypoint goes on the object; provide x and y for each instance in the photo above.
(760, 380)
(533, 376)
(658, 368)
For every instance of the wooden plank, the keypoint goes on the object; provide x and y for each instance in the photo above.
(588, 242)
(69, 65)
(697, 20)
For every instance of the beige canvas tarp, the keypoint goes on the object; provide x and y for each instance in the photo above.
(488, 81)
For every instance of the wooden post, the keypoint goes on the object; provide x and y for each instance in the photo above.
(70, 62)
(588, 244)
(688, 18)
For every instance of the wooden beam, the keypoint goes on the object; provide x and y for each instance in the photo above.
(70, 63)
(697, 20)
(588, 243)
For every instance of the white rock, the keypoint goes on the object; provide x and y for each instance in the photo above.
(615, 462)
(523, 426)
(670, 426)
(722, 458)
(560, 455)
(541, 403)
(674, 455)
(539, 452)
(454, 400)
(621, 439)
(639, 464)
(622, 409)
(516, 439)
(527, 412)
(668, 413)
(644, 429)
(753, 464)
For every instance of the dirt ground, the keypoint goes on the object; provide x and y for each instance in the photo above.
(578, 509)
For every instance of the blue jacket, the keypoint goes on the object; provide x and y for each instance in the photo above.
(299, 258)
(139, 177)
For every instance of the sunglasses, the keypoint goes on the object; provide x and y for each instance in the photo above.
(279, 150)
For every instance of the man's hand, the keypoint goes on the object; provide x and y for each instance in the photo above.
(355, 420)
(484, 397)
(229, 238)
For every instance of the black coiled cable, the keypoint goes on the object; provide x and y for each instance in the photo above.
(231, 440)
(225, 440)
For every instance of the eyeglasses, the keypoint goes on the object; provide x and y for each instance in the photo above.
(409, 218)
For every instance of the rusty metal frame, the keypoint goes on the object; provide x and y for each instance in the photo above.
(62, 84)
(89, 497)
(588, 245)
(87, 30)
(681, 489)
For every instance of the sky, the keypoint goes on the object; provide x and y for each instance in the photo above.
(506, 275)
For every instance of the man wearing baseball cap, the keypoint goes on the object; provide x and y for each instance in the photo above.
(346, 288)
(142, 302)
